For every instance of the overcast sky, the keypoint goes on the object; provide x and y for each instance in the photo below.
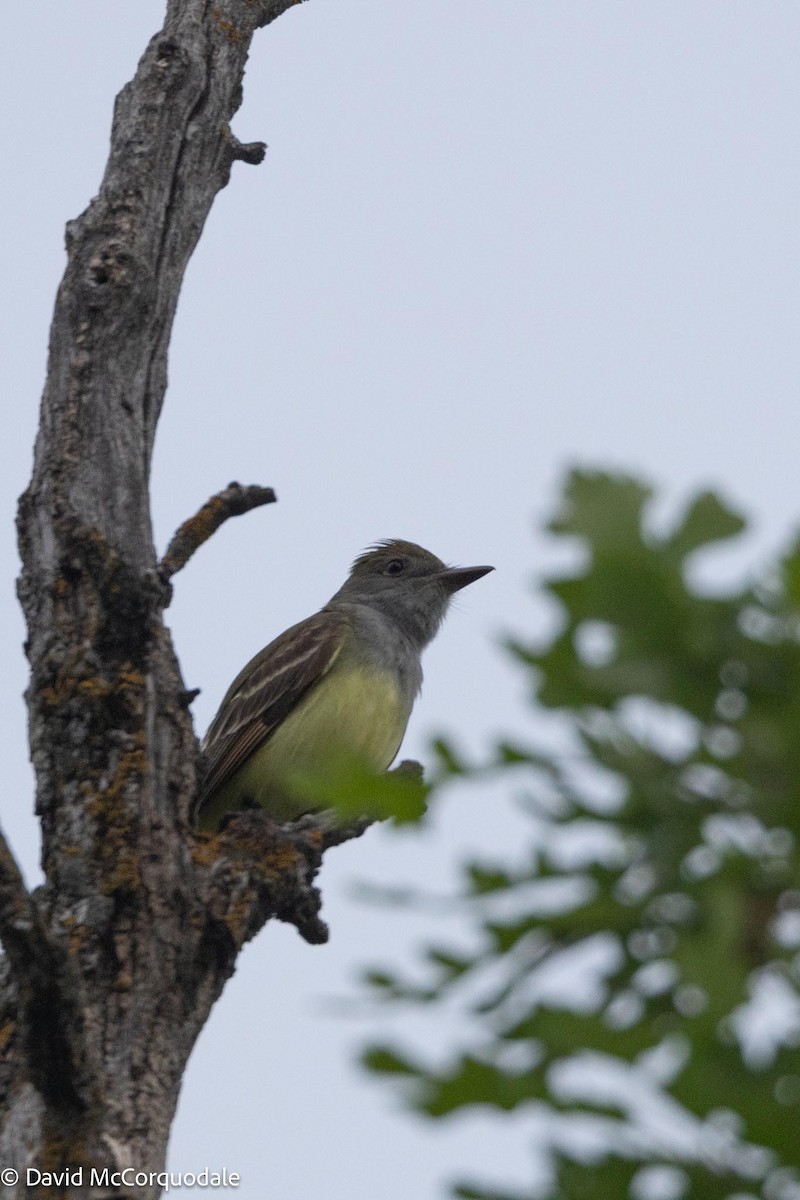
(488, 241)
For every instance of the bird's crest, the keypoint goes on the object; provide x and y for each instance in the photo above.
(387, 549)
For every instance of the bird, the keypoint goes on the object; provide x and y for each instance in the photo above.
(342, 681)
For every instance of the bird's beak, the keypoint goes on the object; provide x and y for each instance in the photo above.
(455, 578)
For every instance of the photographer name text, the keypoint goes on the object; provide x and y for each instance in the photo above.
(129, 1177)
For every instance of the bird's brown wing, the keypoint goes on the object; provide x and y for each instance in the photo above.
(266, 691)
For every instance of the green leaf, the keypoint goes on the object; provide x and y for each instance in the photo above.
(790, 575)
(383, 1061)
(474, 1191)
(707, 519)
(448, 761)
(602, 508)
(590, 1181)
(353, 790)
(473, 1082)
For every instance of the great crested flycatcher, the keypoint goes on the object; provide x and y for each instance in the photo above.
(342, 681)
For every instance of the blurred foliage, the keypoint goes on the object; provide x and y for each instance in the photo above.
(351, 788)
(639, 975)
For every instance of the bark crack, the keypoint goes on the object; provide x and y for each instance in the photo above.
(49, 1014)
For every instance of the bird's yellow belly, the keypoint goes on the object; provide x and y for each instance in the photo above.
(351, 712)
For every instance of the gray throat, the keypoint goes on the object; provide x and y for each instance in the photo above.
(382, 643)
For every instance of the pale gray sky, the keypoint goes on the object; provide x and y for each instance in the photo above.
(488, 240)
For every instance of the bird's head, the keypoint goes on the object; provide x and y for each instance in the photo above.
(408, 584)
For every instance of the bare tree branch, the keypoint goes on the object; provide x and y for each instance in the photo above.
(114, 964)
(263, 870)
(247, 152)
(233, 501)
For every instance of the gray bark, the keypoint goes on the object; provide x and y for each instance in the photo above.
(111, 967)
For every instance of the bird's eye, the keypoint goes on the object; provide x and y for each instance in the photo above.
(394, 566)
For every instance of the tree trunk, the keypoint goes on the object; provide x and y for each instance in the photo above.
(113, 965)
